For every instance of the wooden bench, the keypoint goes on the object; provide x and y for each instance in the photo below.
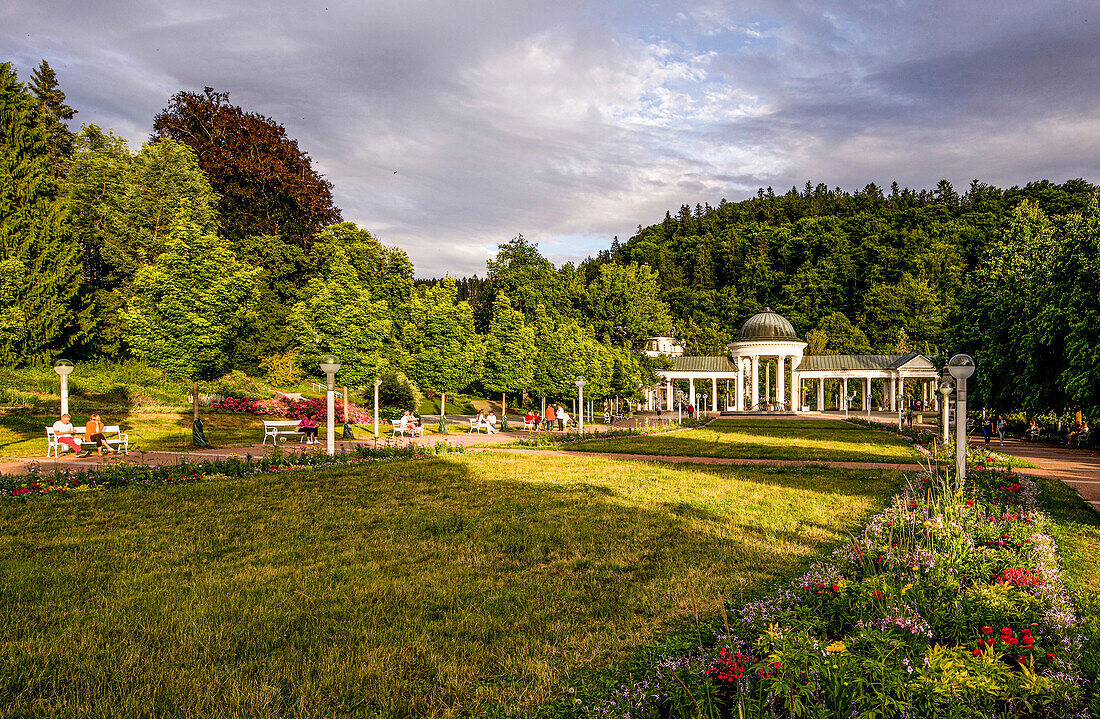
(275, 428)
(121, 440)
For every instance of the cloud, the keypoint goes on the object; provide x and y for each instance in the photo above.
(571, 122)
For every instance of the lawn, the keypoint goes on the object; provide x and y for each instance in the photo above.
(816, 440)
(468, 585)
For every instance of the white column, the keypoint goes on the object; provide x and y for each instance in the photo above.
(901, 391)
(866, 394)
(780, 388)
(844, 393)
(668, 394)
(893, 394)
(691, 390)
(739, 397)
(714, 394)
(755, 390)
(820, 394)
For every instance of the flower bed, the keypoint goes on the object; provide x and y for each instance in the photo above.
(293, 409)
(129, 474)
(948, 604)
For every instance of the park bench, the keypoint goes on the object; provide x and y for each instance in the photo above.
(477, 425)
(275, 428)
(120, 440)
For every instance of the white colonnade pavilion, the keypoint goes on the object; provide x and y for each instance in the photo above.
(766, 370)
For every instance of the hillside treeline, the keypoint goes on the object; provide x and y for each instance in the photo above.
(1009, 276)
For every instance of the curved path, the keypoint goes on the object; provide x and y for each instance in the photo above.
(1078, 468)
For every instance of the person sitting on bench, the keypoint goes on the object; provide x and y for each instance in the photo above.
(93, 432)
(63, 428)
(309, 426)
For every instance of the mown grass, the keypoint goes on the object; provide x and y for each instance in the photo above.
(485, 584)
(820, 440)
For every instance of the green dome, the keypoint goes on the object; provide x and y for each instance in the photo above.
(767, 325)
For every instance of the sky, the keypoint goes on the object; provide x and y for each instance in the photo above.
(574, 122)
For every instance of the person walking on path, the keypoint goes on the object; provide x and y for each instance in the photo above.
(987, 426)
(548, 419)
(563, 418)
(63, 428)
(1002, 425)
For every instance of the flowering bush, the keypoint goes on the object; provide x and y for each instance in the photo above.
(292, 409)
(128, 474)
(949, 603)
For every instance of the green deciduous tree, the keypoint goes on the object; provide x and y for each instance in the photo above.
(623, 306)
(445, 353)
(509, 352)
(189, 304)
(338, 315)
(123, 208)
(843, 338)
(34, 235)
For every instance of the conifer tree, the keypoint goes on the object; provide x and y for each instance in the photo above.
(54, 112)
(34, 236)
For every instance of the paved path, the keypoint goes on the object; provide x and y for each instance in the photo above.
(1078, 468)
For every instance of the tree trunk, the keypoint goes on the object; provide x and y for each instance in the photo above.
(503, 404)
(195, 397)
(442, 404)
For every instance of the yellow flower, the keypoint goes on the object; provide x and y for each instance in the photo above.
(906, 588)
(836, 647)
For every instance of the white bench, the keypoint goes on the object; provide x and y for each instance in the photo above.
(120, 441)
(276, 428)
(478, 425)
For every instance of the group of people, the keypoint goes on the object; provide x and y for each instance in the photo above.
(554, 413)
(991, 423)
(93, 433)
(488, 420)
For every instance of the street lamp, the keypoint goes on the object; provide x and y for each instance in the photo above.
(377, 384)
(64, 368)
(330, 365)
(947, 386)
(961, 367)
(580, 401)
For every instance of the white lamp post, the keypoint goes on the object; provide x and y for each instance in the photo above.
(947, 386)
(901, 410)
(330, 365)
(64, 368)
(580, 402)
(961, 367)
(377, 383)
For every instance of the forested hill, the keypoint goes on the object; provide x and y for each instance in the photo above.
(888, 262)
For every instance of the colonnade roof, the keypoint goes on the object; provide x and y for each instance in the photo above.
(833, 363)
(688, 363)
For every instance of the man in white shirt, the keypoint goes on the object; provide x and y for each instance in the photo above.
(491, 422)
(63, 428)
(563, 418)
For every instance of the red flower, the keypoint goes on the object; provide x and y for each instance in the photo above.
(977, 652)
(1021, 660)
(1012, 640)
(836, 588)
(987, 630)
(1006, 632)
(1050, 656)
(991, 641)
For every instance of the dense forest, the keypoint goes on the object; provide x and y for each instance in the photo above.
(217, 246)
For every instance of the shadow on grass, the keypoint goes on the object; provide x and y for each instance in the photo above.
(428, 588)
